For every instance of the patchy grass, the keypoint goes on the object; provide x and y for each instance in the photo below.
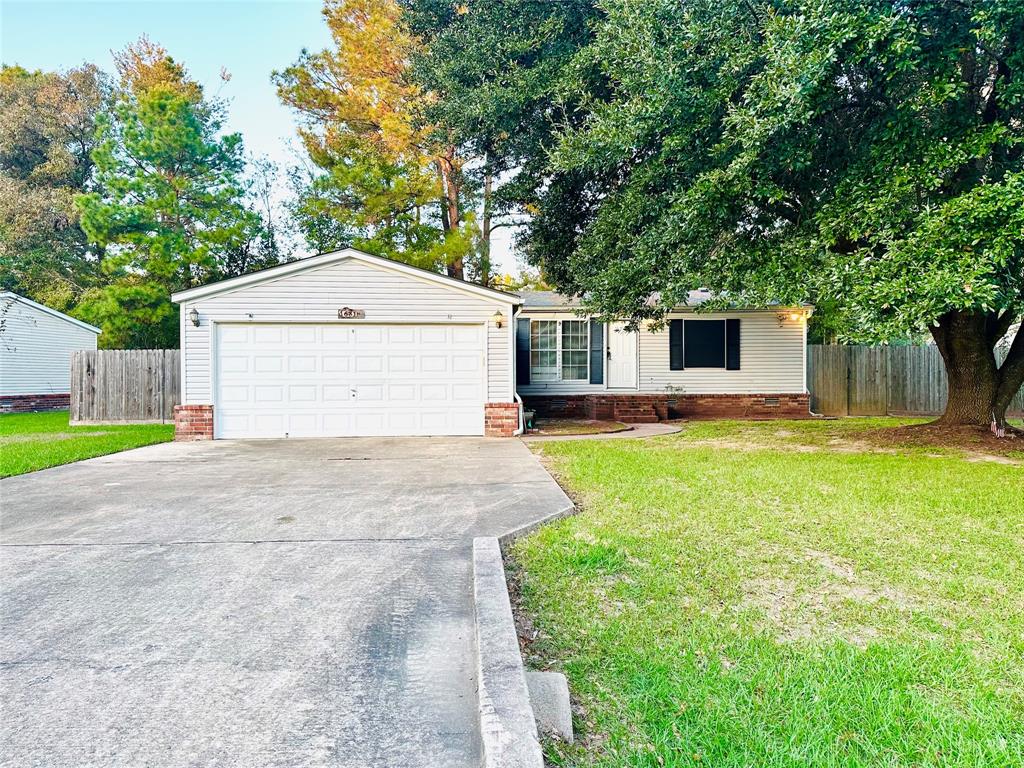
(577, 427)
(782, 594)
(31, 441)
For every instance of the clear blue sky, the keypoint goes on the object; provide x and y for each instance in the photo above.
(249, 39)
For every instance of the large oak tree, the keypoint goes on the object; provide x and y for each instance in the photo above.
(866, 154)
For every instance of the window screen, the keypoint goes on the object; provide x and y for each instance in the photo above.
(575, 350)
(544, 350)
(704, 343)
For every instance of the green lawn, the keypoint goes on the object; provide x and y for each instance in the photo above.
(31, 441)
(780, 594)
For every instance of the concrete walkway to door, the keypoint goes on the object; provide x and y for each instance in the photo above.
(253, 603)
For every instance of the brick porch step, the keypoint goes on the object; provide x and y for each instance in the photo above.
(650, 418)
(636, 413)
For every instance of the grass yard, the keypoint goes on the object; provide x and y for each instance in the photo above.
(31, 441)
(783, 594)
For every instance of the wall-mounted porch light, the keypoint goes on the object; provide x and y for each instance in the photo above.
(793, 316)
(193, 315)
(498, 318)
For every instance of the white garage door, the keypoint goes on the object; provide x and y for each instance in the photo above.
(349, 380)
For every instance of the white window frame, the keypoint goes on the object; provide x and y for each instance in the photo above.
(546, 371)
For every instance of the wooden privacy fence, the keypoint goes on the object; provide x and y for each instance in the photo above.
(125, 385)
(876, 381)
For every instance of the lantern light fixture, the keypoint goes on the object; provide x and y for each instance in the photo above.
(194, 317)
(498, 318)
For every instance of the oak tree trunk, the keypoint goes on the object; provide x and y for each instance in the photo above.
(980, 390)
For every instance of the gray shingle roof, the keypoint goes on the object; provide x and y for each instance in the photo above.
(554, 300)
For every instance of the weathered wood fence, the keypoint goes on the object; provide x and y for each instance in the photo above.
(125, 385)
(875, 381)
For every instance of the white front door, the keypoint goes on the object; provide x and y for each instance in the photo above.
(622, 357)
(339, 380)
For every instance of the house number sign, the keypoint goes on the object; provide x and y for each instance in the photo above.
(347, 313)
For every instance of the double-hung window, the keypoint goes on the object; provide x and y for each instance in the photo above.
(559, 350)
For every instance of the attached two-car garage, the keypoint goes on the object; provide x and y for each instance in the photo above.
(316, 380)
(345, 344)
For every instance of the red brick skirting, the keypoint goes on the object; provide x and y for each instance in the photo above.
(501, 419)
(193, 422)
(657, 407)
(27, 403)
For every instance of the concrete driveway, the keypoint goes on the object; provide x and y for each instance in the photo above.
(253, 603)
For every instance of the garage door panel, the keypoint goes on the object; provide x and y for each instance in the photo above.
(301, 334)
(268, 364)
(369, 363)
(301, 363)
(401, 364)
(338, 380)
(336, 364)
(337, 394)
(433, 364)
(302, 393)
(267, 334)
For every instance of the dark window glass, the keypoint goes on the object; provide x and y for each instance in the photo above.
(704, 343)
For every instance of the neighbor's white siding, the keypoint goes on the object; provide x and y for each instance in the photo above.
(315, 296)
(35, 350)
(771, 360)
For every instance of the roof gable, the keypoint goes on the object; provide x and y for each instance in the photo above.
(10, 296)
(325, 259)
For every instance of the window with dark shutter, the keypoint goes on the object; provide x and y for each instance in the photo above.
(732, 345)
(596, 352)
(704, 344)
(675, 345)
(522, 351)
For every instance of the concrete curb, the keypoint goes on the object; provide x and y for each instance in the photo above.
(567, 508)
(508, 731)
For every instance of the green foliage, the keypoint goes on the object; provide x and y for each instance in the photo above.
(493, 69)
(47, 126)
(169, 210)
(363, 200)
(865, 153)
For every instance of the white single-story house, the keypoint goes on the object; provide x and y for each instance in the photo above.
(36, 343)
(350, 344)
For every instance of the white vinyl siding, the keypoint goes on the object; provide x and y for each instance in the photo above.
(771, 359)
(315, 296)
(35, 349)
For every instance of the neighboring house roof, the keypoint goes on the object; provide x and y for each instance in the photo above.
(553, 300)
(325, 259)
(9, 296)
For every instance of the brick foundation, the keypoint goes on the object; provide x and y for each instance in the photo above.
(640, 408)
(501, 419)
(29, 403)
(193, 422)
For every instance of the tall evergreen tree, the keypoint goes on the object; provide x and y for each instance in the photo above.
(169, 205)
